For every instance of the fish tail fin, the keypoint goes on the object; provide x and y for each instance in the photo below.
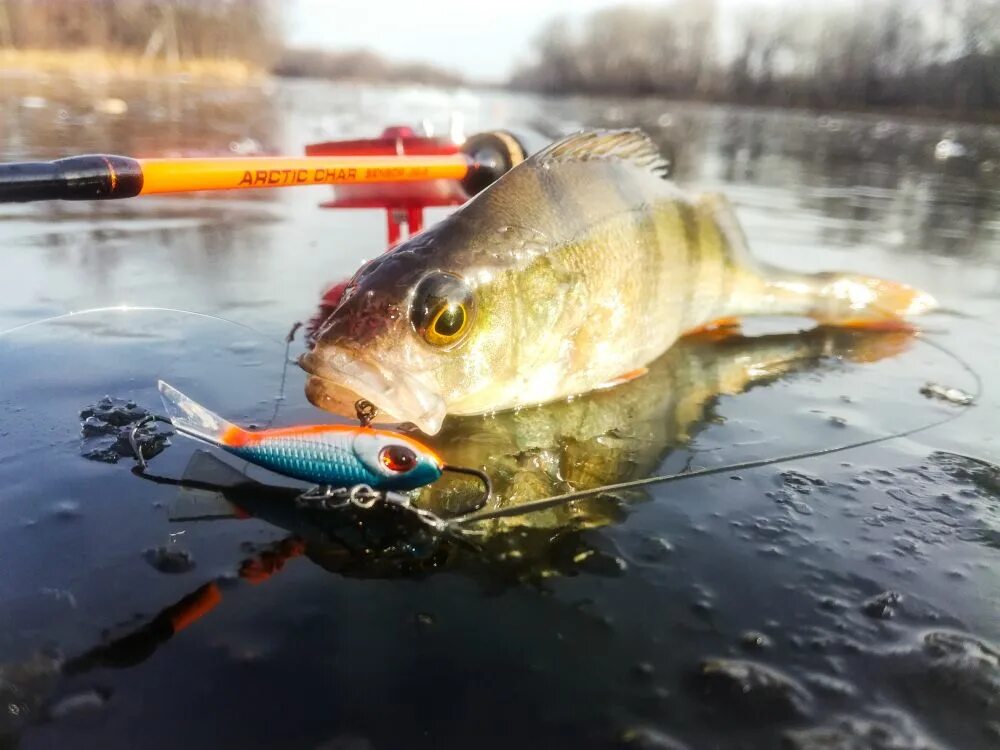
(195, 421)
(845, 300)
(850, 300)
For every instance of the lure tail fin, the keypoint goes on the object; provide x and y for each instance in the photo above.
(194, 420)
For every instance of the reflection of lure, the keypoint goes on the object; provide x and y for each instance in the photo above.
(327, 455)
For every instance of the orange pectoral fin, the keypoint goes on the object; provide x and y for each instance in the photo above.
(719, 328)
(627, 377)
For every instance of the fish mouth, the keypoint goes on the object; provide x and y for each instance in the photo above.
(338, 379)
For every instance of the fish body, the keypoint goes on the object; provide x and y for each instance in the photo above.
(575, 270)
(329, 455)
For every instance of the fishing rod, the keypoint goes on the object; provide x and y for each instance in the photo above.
(480, 161)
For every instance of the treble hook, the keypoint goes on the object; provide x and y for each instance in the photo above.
(133, 437)
(482, 476)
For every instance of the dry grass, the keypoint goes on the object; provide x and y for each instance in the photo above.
(100, 64)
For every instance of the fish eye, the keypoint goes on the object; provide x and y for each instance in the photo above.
(442, 309)
(398, 458)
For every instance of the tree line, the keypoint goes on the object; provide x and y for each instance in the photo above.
(941, 55)
(359, 65)
(245, 30)
(249, 31)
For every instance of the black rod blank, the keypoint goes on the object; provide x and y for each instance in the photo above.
(77, 178)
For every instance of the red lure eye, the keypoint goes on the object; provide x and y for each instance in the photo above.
(398, 458)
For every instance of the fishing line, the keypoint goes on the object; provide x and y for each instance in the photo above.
(280, 398)
(153, 308)
(569, 497)
(134, 308)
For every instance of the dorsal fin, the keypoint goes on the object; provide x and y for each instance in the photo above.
(632, 146)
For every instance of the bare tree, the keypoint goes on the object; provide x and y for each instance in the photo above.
(940, 54)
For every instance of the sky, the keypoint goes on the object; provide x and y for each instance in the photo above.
(482, 39)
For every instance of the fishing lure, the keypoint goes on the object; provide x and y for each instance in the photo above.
(330, 456)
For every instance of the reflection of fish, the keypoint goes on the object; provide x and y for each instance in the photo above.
(331, 455)
(575, 270)
(588, 442)
(613, 436)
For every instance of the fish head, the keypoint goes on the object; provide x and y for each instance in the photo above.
(418, 329)
(400, 462)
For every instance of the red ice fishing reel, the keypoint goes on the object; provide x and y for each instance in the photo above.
(493, 152)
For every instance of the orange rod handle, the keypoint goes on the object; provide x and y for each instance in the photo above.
(185, 175)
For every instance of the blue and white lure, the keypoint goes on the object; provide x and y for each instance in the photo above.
(330, 456)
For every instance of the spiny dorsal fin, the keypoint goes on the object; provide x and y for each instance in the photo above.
(628, 145)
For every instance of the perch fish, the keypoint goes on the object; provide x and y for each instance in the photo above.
(573, 272)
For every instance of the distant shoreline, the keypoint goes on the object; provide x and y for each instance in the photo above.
(92, 62)
(97, 63)
(912, 112)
